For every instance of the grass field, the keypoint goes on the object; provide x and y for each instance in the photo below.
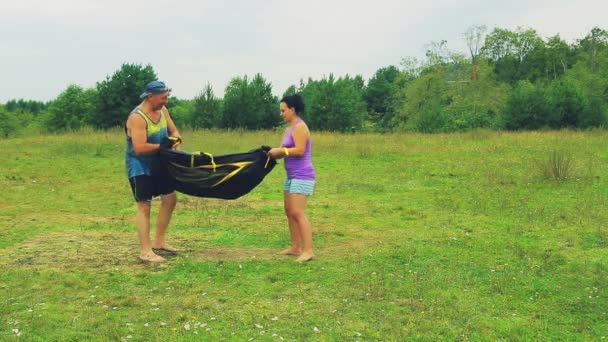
(418, 237)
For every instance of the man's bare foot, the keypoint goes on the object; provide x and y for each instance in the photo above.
(305, 257)
(165, 249)
(151, 257)
(289, 251)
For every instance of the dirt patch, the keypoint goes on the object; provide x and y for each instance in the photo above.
(200, 204)
(81, 250)
(99, 252)
(235, 253)
(118, 251)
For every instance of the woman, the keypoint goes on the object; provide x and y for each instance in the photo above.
(296, 149)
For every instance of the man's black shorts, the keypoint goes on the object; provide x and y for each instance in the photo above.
(145, 187)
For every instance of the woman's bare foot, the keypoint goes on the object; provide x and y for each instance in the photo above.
(151, 257)
(289, 251)
(305, 257)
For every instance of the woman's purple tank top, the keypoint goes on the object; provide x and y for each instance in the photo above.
(298, 167)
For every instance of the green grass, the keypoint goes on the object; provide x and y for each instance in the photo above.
(418, 237)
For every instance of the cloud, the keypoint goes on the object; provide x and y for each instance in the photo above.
(53, 44)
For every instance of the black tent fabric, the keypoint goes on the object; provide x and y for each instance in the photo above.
(226, 176)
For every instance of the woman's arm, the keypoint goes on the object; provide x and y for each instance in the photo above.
(300, 135)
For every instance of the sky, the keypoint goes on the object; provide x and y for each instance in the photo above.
(45, 46)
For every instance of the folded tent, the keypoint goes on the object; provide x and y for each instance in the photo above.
(226, 176)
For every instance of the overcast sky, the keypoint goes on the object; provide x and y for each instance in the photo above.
(48, 45)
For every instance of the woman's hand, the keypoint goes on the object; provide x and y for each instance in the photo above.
(276, 152)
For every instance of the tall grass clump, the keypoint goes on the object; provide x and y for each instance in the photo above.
(559, 165)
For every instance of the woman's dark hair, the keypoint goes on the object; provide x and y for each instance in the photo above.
(294, 101)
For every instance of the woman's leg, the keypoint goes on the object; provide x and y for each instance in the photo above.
(294, 232)
(298, 215)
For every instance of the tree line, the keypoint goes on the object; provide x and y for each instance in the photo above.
(508, 79)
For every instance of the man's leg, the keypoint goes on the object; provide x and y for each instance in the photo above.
(142, 221)
(167, 204)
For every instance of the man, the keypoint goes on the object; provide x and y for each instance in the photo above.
(148, 126)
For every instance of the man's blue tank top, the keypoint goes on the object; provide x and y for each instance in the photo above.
(146, 164)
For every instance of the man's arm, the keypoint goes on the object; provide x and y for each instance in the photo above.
(136, 128)
(173, 131)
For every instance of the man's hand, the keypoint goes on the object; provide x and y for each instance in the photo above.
(170, 143)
